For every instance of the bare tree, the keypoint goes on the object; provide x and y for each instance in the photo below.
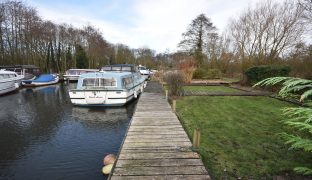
(267, 32)
(307, 7)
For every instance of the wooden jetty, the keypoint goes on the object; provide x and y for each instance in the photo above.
(156, 145)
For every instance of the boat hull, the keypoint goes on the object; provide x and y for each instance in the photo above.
(34, 84)
(104, 97)
(9, 86)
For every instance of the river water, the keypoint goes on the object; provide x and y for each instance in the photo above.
(42, 136)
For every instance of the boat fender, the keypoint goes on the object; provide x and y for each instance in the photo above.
(109, 159)
(107, 169)
(135, 94)
(142, 89)
(145, 83)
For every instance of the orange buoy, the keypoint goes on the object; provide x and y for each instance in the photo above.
(109, 159)
(107, 169)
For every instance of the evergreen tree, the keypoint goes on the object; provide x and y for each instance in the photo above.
(196, 37)
(81, 57)
(297, 118)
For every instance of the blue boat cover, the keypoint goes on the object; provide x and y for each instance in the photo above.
(44, 78)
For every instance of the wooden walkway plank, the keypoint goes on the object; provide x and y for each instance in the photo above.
(159, 162)
(164, 177)
(166, 170)
(156, 145)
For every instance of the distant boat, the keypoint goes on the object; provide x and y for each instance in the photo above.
(29, 71)
(144, 72)
(73, 74)
(9, 81)
(42, 80)
(115, 85)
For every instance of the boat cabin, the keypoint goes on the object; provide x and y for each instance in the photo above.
(31, 69)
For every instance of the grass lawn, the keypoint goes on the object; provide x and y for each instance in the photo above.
(210, 89)
(240, 134)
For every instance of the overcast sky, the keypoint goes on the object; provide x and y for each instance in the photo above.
(156, 24)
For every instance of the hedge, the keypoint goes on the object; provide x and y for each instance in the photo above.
(258, 73)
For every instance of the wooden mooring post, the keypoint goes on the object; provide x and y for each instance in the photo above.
(174, 104)
(196, 138)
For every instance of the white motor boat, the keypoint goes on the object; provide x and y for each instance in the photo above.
(115, 85)
(73, 74)
(9, 81)
(144, 72)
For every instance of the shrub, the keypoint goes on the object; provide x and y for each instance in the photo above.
(187, 68)
(159, 75)
(199, 73)
(174, 81)
(258, 73)
(203, 73)
(214, 74)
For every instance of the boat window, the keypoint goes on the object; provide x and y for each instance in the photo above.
(107, 82)
(72, 72)
(126, 68)
(116, 68)
(90, 82)
(127, 82)
(6, 76)
(106, 68)
(99, 82)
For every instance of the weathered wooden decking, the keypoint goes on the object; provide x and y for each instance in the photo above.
(156, 145)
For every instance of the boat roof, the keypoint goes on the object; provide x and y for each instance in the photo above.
(84, 69)
(20, 66)
(105, 74)
(119, 67)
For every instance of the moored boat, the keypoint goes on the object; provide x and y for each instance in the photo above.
(42, 80)
(9, 81)
(73, 74)
(115, 85)
(28, 71)
(144, 72)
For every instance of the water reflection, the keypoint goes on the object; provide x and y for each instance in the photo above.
(43, 136)
(102, 117)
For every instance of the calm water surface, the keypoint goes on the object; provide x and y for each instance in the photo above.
(43, 136)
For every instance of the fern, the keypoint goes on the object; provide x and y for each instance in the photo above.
(298, 118)
(303, 170)
(290, 86)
